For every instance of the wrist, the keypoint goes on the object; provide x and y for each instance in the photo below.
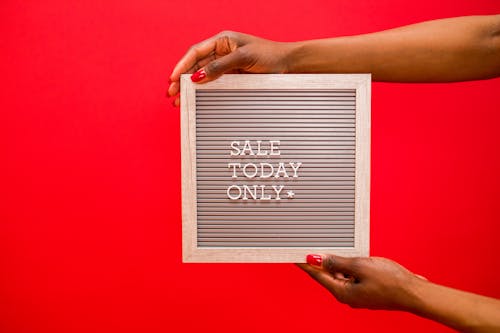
(419, 292)
(414, 292)
(294, 53)
(316, 56)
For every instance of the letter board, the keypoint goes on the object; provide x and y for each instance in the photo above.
(275, 166)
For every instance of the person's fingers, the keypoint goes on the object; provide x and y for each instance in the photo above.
(342, 276)
(200, 63)
(349, 266)
(212, 70)
(336, 286)
(193, 55)
(230, 62)
(203, 62)
(319, 275)
(173, 88)
(220, 44)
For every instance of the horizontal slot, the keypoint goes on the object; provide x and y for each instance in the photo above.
(271, 117)
(269, 244)
(278, 220)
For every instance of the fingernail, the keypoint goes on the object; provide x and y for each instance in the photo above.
(314, 259)
(173, 103)
(199, 75)
(169, 81)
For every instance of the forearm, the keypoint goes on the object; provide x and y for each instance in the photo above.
(455, 49)
(460, 310)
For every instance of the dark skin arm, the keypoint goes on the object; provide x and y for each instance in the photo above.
(379, 283)
(446, 50)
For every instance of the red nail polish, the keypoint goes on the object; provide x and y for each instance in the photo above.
(199, 75)
(314, 259)
(169, 81)
(173, 103)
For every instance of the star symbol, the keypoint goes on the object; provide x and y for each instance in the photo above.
(290, 194)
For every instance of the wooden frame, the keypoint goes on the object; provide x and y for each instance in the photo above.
(359, 82)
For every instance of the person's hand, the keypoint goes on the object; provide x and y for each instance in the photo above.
(229, 52)
(372, 283)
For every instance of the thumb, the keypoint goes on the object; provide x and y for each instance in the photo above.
(337, 287)
(337, 264)
(217, 67)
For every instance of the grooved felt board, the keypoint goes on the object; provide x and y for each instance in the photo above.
(275, 167)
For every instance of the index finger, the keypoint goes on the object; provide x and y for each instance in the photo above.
(193, 55)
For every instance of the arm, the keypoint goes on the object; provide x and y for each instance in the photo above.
(454, 49)
(379, 283)
(461, 310)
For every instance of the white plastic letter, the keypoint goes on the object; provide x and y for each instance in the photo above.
(264, 196)
(259, 151)
(236, 148)
(278, 190)
(232, 197)
(273, 147)
(246, 189)
(247, 147)
(295, 166)
(234, 165)
(269, 166)
(281, 169)
(245, 170)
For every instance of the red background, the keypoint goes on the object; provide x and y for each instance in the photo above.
(90, 212)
